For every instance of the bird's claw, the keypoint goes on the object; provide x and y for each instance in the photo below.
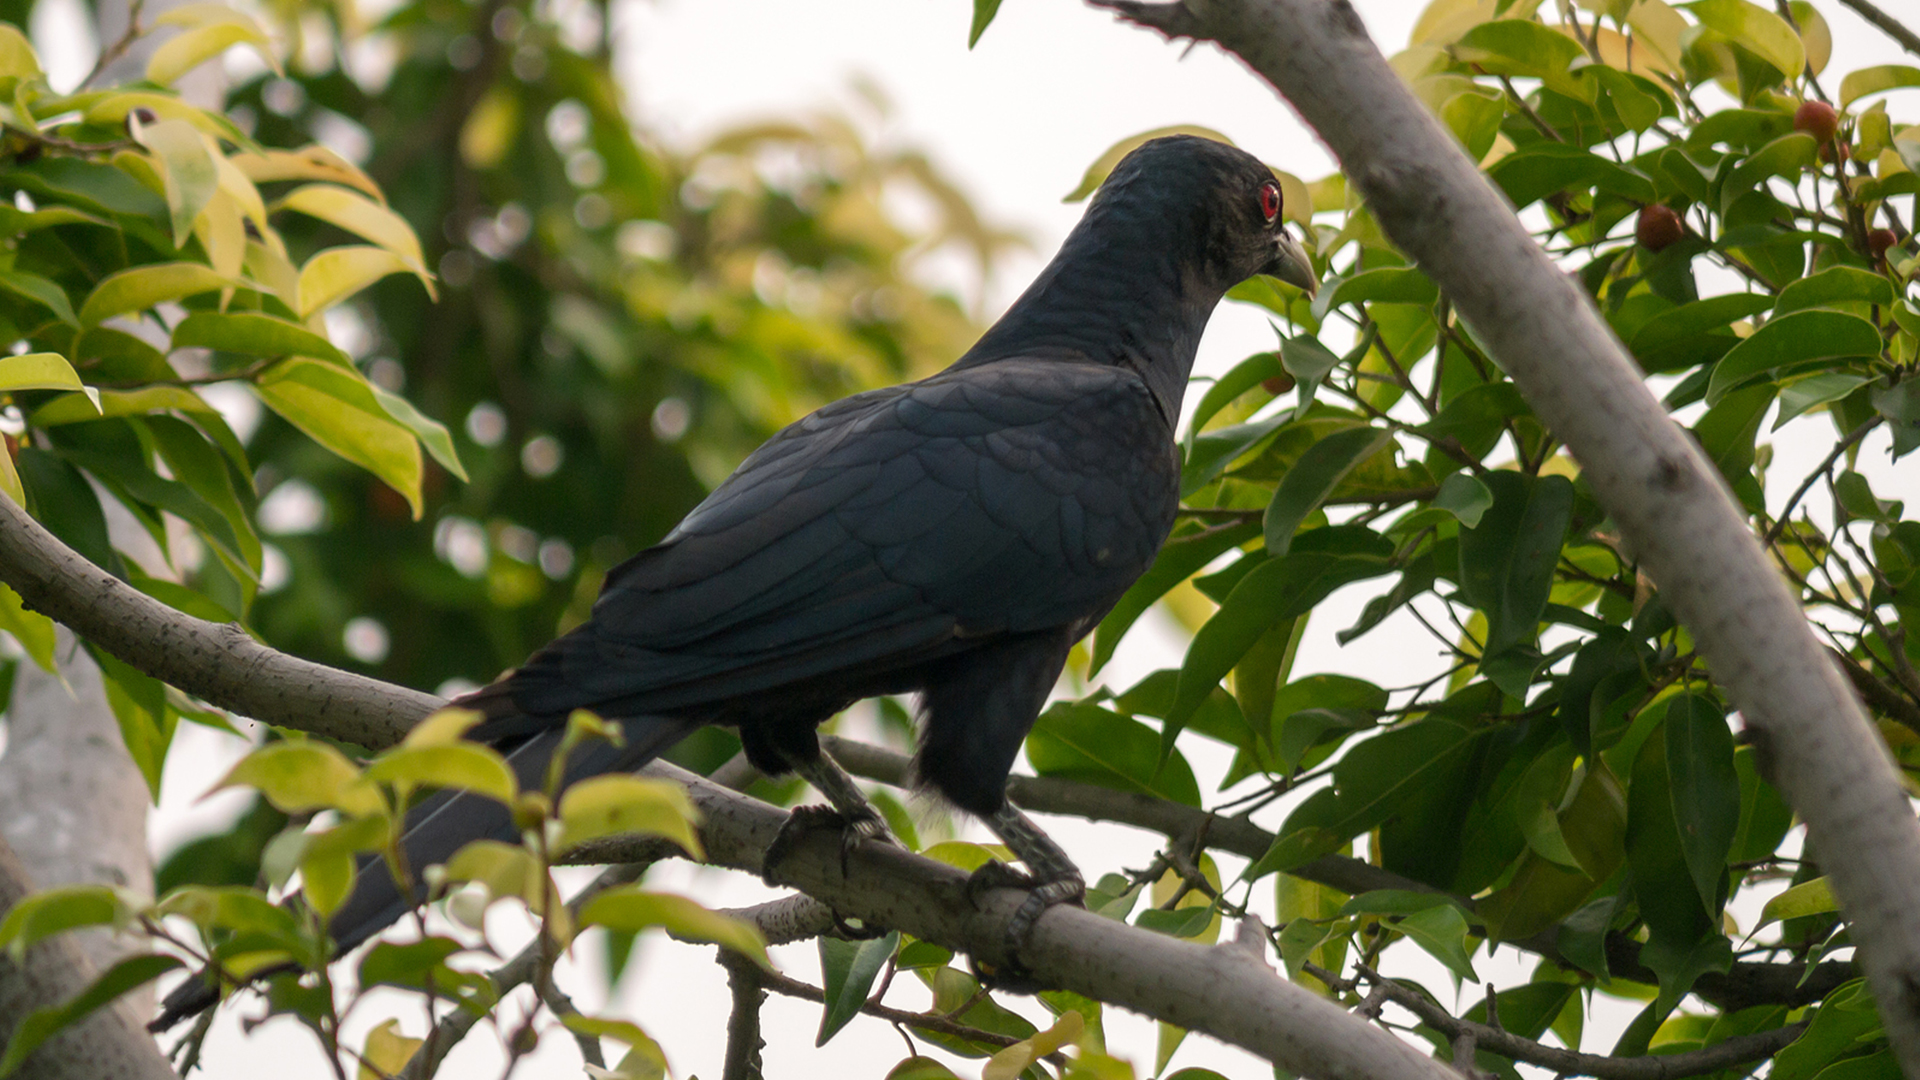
(853, 830)
(1067, 888)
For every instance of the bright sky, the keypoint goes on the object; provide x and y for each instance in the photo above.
(1015, 121)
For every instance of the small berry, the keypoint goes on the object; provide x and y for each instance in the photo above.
(1817, 119)
(1879, 240)
(1277, 385)
(1659, 228)
(1827, 150)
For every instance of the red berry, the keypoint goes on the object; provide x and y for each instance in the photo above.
(1879, 240)
(1826, 151)
(1817, 119)
(1659, 228)
(1277, 385)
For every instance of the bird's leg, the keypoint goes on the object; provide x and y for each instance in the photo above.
(849, 811)
(1052, 879)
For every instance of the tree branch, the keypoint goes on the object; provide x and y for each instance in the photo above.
(1671, 504)
(1496, 1040)
(746, 981)
(1886, 24)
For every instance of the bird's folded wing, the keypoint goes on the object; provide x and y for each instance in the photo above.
(879, 532)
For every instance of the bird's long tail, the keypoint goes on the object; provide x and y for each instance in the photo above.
(446, 821)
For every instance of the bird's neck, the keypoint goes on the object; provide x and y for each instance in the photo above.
(1111, 299)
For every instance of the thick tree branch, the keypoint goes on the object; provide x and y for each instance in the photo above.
(219, 663)
(1672, 506)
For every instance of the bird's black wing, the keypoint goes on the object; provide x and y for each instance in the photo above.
(881, 531)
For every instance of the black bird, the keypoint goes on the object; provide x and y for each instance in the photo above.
(951, 537)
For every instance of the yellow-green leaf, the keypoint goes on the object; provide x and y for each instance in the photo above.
(337, 273)
(490, 129)
(468, 766)
(337, 409)
(314, 162)
(1009, 1063)
(1873, 80)
(188, 50)
(359, 215)
(55, 911)
(1096, 173)
(1815, 34)
(1807, 898)
(17, 58)
(39, 371)
(31, 629)
(112, 111)
(505, 870)
(302, 776)
(386, 1052)
(1767, 35)
(431, 433)
(443, 727)
(93, 404)
(142, 287)
(328, 858)
(42, 291)
(223, 236)
(619, 804)
(630, 909)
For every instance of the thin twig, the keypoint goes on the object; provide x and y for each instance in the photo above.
(744, 1041)
(1886, 24)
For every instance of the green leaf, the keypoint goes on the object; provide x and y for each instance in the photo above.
(1544, 168)
(1789, 156)
(1756, 28)
(431, 433)
(142, 287)
(1800, 337)
(139, 705)
(44, 1023)
(1670, 902)
(1371, 783)
(17, 59)
(1245, 375)
(338, 409)
(1391, 284)
(1704, 788)
(1315, 477)
(616, 805)
(254, 334)
(849, 969)
(1507, 560)
(1308, 362)
(1835, 284)
(1085, 742)
(43, 371)
(43, 914)
(1523, 47)
(186, 170)
(1873, 80)
(188, 50)
(41, 291)
(983, 13)
(1807, 898)
(1441, 931)
(629, 908)
(1185, 922)
(1276, 590)
(1802, 395)
(1465, 497)
(1837, 1025)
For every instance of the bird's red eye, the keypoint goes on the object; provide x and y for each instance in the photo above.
(1270, 200)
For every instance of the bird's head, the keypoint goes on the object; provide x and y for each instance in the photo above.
(1216, 196)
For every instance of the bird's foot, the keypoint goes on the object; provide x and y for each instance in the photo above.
(1063, 887)
(854, 829)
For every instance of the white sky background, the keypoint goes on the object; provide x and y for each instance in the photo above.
(1015, 122)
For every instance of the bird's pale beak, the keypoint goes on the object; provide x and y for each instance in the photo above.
(1291, 265)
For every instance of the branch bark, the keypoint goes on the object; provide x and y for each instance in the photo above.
(1669, 501)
